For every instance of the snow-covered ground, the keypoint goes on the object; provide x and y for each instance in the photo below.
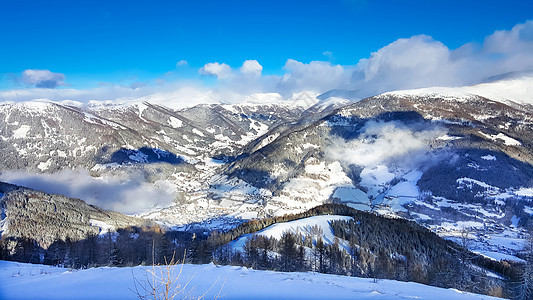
(518, 89)
(317, 226)
(26, 281)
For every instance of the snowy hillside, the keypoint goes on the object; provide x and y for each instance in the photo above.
(515, 87)
(317, 226)
(27, 281)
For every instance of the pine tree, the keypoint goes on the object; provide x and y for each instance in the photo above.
(354, 256)
(265, 245)
(524, 287)
(320, 249)
(115, 258)
(288, 252)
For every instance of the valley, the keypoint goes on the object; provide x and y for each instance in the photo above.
(460, 165)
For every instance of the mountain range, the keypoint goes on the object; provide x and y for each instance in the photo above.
(451, 159)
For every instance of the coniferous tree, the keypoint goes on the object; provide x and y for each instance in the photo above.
(251, 252)
(524, 284)
(264, 245)
(320, 249)
(288, 252)
(115, 258)
(4, 254)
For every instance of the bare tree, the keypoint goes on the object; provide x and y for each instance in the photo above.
(165, 282)
(464, 254)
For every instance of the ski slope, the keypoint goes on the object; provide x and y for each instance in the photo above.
(26, 281)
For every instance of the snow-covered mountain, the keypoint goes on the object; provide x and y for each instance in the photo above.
(506, 88)
(446, 157)
(176, 151)
(448, 160)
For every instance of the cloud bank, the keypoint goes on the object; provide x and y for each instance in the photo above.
(420, 61)
(385, 143)
(126, 193)
(407, 63)
(387, 150)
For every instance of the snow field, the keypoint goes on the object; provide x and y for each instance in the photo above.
(27, 281)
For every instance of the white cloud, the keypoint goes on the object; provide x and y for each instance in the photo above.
(415, 62)
(171, 94)
(383, 143)
(517, 40)
(318, 76)
(510, 50)
(108, 92)
(216, 69)
(251, 68)
(328, 54)
(43, 78)
(182, 63)
(418, 53)
(385, 148)
(420, 61)
(182, 97)
(127, 193)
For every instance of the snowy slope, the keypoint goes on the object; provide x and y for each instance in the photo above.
(518, 89)
(26, 281)
(317, 226)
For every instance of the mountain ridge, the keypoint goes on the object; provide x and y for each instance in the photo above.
(236, 162)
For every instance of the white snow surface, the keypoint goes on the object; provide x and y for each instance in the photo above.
(500, 256)
(519, 90)
(27, 281)
(103, 226)
(43, 166)
(508, 141)
(175, 123)
(525, 192)
(303, 226)
(21, 132)
(488, 157)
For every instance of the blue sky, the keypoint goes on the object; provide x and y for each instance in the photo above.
(116, 42)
